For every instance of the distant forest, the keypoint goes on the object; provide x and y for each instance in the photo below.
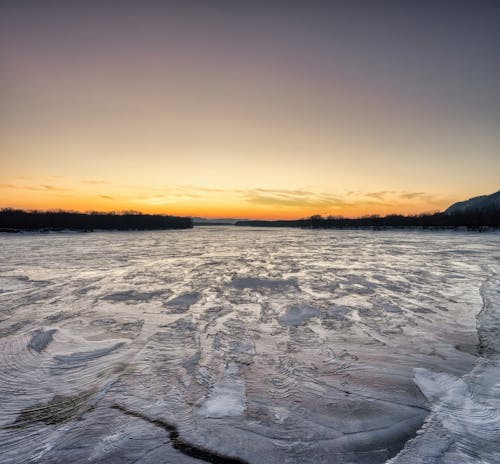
(12, 220)
(476, 220)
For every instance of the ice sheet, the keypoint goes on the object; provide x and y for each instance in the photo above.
(226, 344)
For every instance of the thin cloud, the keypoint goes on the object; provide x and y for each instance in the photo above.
(412, 195)
(95, 182)
(299, 193)
(294, 198)
(395, 196)
(430, 198)
(205, 189)
(36, 188)
(183, 195)
(380, 195)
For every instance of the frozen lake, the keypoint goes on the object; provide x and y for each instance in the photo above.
(225, 344)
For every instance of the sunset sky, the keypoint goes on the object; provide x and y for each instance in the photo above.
(248, 109)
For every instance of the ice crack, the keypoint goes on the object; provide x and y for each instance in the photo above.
(181, 445)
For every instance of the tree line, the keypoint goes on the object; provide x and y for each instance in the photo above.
(473, 220)
(16, 219)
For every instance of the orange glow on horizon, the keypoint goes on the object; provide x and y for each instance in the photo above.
(264, 204)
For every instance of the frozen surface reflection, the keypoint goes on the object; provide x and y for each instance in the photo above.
(223, 345)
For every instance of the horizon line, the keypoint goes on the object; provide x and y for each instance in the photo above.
(214, 218)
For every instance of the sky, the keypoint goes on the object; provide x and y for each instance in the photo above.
(248, 109)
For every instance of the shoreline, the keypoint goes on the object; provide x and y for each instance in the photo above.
(64, 230)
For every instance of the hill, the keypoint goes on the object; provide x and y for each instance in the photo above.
(486, 203)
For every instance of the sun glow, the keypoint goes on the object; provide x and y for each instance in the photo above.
(284, 118)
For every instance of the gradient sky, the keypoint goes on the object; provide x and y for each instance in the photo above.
(249, 109)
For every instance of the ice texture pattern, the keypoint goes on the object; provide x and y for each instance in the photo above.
(247, 345)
